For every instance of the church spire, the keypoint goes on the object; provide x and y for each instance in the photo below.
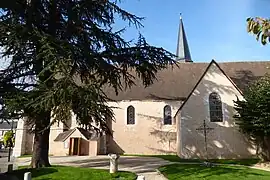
(182, 51)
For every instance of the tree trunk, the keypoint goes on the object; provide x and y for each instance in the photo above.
(40, 156)
(266, 149)
(42, 130)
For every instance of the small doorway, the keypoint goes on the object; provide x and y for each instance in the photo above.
(75, 146)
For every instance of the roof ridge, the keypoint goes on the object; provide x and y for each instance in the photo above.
(225, 62)
(244, 61)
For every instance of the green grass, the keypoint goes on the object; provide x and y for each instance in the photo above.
(25, 155)
(71, 173)
(223, 172)
(175, 158)
(29, 155)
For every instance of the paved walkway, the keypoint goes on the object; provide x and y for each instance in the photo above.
(146, 166)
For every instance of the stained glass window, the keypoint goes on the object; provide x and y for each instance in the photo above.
(167, 115)
(130, 115)
(215, 107)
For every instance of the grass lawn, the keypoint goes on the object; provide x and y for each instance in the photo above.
(72, 173)
(197, 171)
(175, 158)
(29, 155)
(25, 155)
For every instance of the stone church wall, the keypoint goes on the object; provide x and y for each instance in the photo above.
(225, 140)
(148, 135)
(57, 148)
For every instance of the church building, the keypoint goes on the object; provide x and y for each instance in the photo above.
(189, 106)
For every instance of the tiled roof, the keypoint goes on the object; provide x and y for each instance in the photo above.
(86, 133)
(175, 83)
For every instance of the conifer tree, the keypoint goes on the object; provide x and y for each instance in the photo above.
(60, 55)
(253, 115)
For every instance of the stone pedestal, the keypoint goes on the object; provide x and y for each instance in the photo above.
(113, 162)
(140, 177)
(27, 176)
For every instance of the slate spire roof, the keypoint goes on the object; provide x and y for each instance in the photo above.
(182, 51)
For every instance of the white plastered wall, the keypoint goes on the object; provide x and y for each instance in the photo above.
(225, 140)
(148, 135)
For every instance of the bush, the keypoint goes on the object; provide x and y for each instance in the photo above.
(9, 139)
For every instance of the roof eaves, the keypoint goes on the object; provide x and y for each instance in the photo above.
(69, 134)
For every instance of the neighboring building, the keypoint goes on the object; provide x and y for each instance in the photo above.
(164, 117)
(23, 139)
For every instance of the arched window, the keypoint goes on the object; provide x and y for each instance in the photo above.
(130, 115)
(167, 115)
(215, 107)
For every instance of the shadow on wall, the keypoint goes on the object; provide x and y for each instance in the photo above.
(165, 135)
(167, 138)
(115, 148)
(167, 99)
(111, 145)
(225, 140)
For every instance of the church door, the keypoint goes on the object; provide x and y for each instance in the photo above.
(75, 147)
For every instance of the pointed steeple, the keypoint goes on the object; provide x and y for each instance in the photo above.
(182, 51)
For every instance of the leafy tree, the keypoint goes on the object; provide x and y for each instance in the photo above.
(61, 55)
(253, 115)
(258, 127)
(9, 139)
(259, 27)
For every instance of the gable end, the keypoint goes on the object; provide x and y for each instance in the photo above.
(206, 70)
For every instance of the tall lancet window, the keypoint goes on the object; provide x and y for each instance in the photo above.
(167, 115)
(130, 115)
(215, 107)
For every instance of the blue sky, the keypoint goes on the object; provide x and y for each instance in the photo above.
(216, 29)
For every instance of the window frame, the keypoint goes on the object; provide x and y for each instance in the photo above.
(127, 115)
(215, 107)
(164, 115)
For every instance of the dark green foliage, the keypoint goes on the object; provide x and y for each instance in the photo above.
(62, 54)
(70, 39)
(253, 114)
